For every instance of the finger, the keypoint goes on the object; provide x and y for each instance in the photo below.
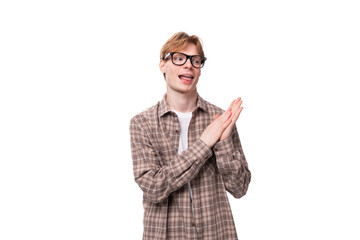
(236, 110)
(227, 123)
(216, 117)
(225, 115)
(237, 114)
(237, 106)
(231, 105)
(221, 120)
(238, 102)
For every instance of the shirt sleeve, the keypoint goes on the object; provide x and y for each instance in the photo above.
(232, 164)
(158, 182)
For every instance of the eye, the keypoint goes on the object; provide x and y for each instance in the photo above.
(196, 60)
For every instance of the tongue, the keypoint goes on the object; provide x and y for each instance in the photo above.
(185, 78)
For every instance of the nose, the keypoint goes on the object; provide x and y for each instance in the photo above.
(188, 64)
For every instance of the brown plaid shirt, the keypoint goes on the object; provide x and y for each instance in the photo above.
(163, 174)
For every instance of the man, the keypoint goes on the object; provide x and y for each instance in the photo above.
(186, 153)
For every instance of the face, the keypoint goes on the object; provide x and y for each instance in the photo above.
(181, 78)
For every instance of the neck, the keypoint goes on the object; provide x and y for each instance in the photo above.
(182, 102)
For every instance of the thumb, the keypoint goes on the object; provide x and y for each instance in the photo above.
(216, 117)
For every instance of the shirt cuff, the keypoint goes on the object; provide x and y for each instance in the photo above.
(202, 150)
(224, 147)
(198, 153)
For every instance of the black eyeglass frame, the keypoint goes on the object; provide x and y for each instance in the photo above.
(203, 59)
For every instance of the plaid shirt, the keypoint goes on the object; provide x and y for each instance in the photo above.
(163, 174)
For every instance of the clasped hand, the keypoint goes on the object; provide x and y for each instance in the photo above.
(221, 127)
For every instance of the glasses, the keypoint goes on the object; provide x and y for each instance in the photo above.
(180, 59)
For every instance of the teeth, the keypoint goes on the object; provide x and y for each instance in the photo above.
(187, 76)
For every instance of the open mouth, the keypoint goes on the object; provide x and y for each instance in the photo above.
(186, 78)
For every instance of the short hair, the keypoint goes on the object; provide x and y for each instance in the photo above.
(179, 41)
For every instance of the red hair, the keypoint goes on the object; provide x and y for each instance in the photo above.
(179, 41)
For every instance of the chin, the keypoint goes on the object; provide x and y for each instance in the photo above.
(183, 88)
(186, 89)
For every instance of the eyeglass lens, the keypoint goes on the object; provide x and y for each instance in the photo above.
(180, 59)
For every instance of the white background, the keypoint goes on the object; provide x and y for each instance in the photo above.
(73, 73)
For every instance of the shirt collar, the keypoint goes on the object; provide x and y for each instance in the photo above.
(165, 108)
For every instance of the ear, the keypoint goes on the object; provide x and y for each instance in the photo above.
(162, 66)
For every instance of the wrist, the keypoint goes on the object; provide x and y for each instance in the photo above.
(207, 142)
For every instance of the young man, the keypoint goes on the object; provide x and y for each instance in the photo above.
(187, 153)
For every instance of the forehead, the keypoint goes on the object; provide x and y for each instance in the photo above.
(189, 49)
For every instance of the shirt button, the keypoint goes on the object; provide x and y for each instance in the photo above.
(177, 131)
(193, 224)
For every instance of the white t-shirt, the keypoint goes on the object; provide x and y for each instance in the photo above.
(184, 119)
